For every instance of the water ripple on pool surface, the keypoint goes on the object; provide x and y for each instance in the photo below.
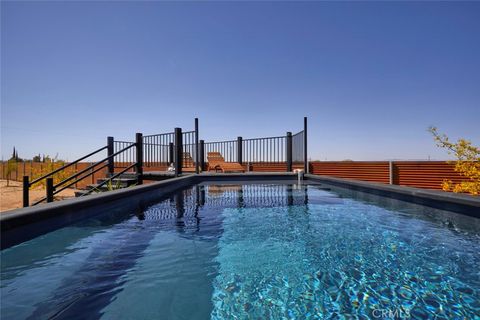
(354, 260)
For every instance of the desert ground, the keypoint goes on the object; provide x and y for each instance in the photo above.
(11, 196)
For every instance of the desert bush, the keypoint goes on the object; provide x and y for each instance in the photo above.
(9, 168)
(467, 163)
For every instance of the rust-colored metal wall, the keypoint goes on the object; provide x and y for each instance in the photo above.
(420, 174)
(375, 171)
(424, 174)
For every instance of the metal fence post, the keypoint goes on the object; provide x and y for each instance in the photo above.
(139, 153)
(289, 151)
(196, 147)
(202, 154)
(178, 151)
(239, 150)
(111, 165)
(390, 172)
(26, 187)
(50, 190)
(305, 154)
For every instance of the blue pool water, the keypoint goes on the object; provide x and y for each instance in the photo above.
(253, 251)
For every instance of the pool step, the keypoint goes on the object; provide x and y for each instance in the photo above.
(119, 182)
(124, 181)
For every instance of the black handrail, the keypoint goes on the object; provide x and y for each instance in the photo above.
(161, 134)
(212, 142)
(66, 166)
(110, 179)
(84, 171)
(263, 138)
(156, 149)
(92, 166)
(71, 184)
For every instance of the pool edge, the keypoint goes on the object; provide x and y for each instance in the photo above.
(459, 203)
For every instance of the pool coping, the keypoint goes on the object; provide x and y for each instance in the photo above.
(460, 203)
(23, 220)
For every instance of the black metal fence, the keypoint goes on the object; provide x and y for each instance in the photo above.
(184, 150)
(228, 149)
(123, 159)
(189, 150)
(158, 149)
(298, 147)
(290, 149)
(56, 183)
(271, 149)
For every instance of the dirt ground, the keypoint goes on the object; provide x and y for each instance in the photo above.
(11, 196)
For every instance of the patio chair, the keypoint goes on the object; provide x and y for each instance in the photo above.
(217, 162)
(188, 165)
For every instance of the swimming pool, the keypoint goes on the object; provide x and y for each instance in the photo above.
(255, 250)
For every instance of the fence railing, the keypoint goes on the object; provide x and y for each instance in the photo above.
(183, 149)
(123, 159)
(288, 150)
(298, 147)
(270, 149)
(228, 149)
(158, 149)
(53, 188)
(189, 150)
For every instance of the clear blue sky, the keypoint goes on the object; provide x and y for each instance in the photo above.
(371, 77)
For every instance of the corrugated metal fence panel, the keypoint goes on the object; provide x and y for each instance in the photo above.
(425, 174)
(420, 174)
(374, 171)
